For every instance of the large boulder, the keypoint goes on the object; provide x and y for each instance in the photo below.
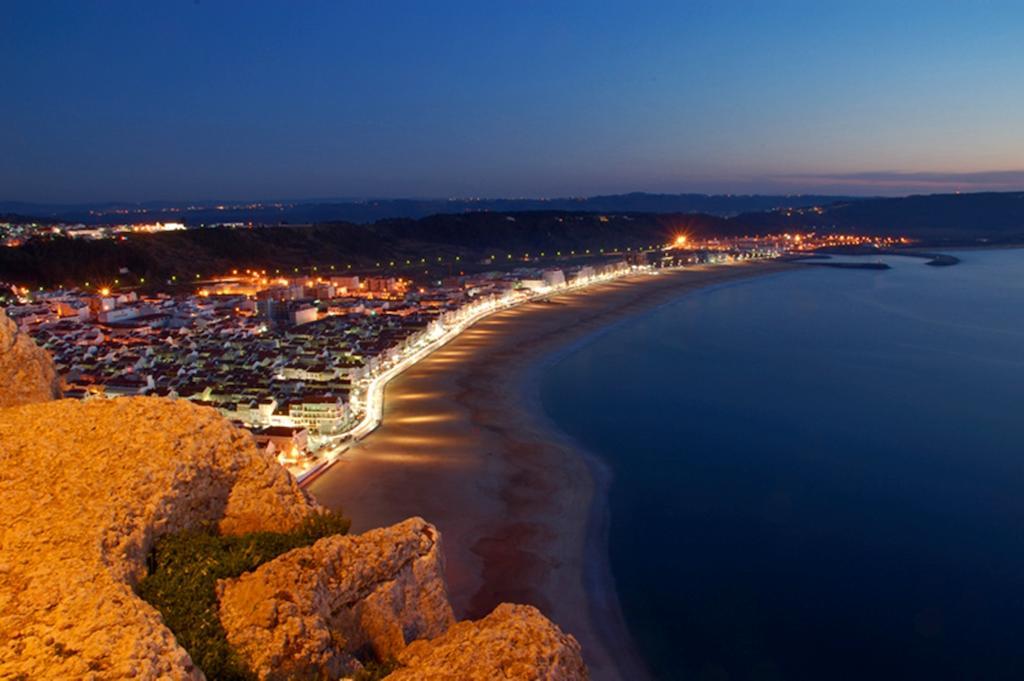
(514, 642)
(26, 371)
(86, 488)
(308, 612)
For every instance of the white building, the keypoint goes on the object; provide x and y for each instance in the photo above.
(533, 284)
(304, 315)
(120, 314)
(554, 277)
(322, 415)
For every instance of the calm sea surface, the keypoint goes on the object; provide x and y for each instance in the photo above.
(817, 475)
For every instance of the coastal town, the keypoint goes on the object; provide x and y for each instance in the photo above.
(291, 359)
(301, 360)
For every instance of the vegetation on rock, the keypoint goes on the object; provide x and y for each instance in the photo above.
(375, 671)
(182, 583)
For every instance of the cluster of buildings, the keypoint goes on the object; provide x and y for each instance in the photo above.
(13, 235)
(288, 358)
(803, 242)
(814, 241)
(717, 250)
(293, 359)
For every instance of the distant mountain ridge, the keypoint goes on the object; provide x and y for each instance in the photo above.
(372, 210)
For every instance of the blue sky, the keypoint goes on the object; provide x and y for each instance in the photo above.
(190, 100)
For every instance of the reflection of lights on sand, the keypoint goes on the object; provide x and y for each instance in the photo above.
(430, 418)
(417, 396)
(418, 458)
(416, 440)
(450, 354)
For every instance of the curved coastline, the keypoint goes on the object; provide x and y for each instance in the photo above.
(603, 605)
(523, 509)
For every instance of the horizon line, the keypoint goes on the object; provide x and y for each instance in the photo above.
(208, 202)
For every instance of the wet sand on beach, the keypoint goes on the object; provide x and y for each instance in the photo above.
(464, 444)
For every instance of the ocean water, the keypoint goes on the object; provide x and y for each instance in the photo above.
(818, 474)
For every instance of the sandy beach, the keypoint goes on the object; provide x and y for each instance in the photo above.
(522, 511)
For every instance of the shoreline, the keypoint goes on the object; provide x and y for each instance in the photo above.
(523, 509)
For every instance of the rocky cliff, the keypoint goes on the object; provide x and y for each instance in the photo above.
(24, 367)
(314, 608)
(513, 642)
(86, 489)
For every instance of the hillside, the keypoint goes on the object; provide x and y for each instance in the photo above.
(209, 251)
(938, 216)
(935, 217)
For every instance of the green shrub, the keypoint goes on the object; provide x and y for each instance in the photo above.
(183, 573)
(375, 671)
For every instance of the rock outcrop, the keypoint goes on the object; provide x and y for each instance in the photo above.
(309, 611)
(26, 371)
(514, 642)
(86, 487)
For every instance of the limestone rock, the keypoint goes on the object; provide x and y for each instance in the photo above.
(514, 642)
(304, 614)
(26, 371)
(86, 487)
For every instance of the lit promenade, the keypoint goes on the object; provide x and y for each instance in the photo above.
(369, 398)
(372, 403)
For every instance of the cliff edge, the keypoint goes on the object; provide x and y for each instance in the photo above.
(86, 488)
